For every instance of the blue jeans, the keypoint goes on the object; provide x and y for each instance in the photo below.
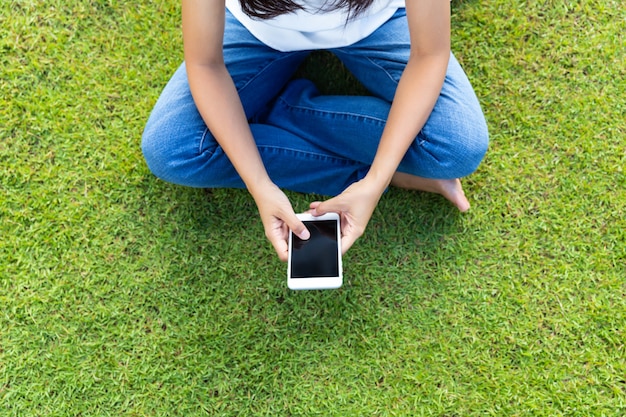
(311, 142)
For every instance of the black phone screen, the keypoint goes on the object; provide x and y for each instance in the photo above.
(317, 257)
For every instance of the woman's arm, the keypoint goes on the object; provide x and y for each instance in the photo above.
(218, 102)
(419, 86)
(416, 95)
(213, 90)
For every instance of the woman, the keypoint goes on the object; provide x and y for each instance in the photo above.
(232, 116)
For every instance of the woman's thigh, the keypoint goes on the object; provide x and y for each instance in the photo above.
(378, 61)
(258, 71)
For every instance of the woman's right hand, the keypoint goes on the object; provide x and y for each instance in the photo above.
(278, 218)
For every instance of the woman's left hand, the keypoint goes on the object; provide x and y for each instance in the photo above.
(355, 207)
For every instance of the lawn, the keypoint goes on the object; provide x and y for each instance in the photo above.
(122, 295)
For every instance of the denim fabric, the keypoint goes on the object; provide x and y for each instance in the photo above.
(311, 142)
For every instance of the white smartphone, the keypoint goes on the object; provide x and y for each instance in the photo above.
(315, 264)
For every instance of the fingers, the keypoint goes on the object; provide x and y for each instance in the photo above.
(299, 229)
(277, 233)
(355, 212)
(281, 248)
(346, 242)
(293, 223)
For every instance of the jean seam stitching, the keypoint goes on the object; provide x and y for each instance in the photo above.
(304, 109)
(374, 62)
(205, 133)
(384, 70)
(312, 155)
(263, 68)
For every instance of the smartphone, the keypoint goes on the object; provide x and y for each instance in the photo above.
(315, 264)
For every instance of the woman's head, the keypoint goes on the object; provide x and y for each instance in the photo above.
(267, 9)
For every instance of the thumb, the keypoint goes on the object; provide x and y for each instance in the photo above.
(318, 208)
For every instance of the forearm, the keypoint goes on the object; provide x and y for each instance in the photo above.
(416, 95)
(218, 102)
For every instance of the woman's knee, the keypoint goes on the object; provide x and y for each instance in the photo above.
(453, 153)
(473, 152)
(174, 142)
(156, 153)
(467, 149)
(472, 145)
(461, 137)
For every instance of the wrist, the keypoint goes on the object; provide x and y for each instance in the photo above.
(377, 181)
(260, 186)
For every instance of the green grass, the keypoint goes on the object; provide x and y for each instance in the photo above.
(122, 295)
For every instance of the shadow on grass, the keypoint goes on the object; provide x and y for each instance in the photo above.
(217, 266)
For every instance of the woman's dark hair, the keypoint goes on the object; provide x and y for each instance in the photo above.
(267, 9)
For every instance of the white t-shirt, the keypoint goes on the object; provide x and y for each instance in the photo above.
(313, 28)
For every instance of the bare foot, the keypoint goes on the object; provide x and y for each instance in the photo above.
(450, 189)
